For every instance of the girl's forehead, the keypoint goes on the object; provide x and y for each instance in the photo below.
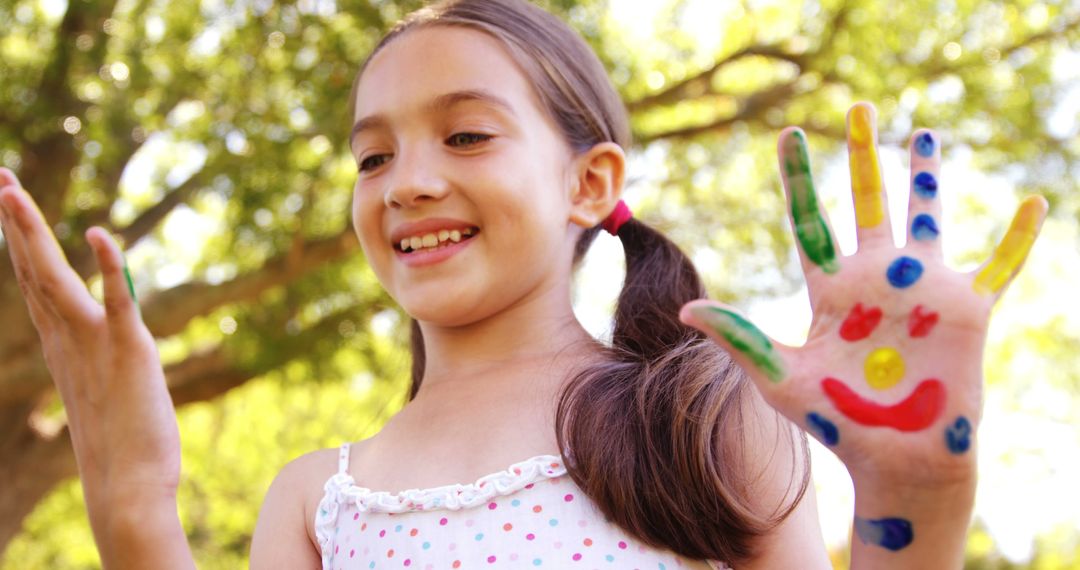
(417, 67)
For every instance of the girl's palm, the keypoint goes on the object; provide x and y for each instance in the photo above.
(890, 376)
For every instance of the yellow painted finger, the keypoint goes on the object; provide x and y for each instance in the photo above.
(1013, 249)
(866, 185)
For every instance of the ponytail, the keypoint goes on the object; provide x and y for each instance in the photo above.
(668, 402)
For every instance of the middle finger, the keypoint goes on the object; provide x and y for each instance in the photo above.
(51, 281)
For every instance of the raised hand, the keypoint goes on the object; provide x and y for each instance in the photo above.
(890, 377)
(105, 365)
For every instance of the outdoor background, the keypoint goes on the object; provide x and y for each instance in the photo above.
(211, 138)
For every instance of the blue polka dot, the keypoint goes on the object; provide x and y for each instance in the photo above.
(515, 503)
(924, 145)
(553, 522)
(426, 545)
(397, 528)
(662, 567)
(537, 562)
(925, 185)
(372, 565)
(924, 228)
(609, 558)
(904, 272)
(479, 536)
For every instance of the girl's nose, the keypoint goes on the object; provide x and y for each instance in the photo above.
(415, 177)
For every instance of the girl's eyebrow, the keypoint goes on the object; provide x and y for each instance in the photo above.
(439, 104)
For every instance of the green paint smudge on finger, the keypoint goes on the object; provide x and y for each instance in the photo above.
(810, 227)
(130, 283)
(744, 337)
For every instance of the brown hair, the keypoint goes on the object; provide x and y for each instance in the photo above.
(671, 468)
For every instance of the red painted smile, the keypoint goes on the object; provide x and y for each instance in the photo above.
(916, 412)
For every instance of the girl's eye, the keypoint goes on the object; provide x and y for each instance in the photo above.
(366, 164)
(468, 138)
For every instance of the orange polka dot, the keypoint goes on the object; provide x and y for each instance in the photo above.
(457, 564)
(588, 542)
(537, 508)
(390, 553)
(413, 532)
(508, 526)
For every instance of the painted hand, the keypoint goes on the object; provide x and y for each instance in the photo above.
(103, 361)
(890, 377)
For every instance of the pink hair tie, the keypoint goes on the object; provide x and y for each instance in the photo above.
(619, 216)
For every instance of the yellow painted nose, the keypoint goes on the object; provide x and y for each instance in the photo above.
(884, 367)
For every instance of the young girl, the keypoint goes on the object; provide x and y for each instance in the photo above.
(490, 149)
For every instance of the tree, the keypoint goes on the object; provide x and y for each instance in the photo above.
(136, 115)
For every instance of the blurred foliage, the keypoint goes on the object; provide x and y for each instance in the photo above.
(211, 137)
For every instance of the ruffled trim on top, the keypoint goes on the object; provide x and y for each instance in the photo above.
(341, 489)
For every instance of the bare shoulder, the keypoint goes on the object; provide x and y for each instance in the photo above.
(285, 534)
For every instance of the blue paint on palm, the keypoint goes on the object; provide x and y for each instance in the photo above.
(924, 145)
(890, 533)
(925, 185)
(823, 428)
(924, 228)
(904, 272)
(958, 435)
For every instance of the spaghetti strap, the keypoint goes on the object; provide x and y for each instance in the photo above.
(343, 459)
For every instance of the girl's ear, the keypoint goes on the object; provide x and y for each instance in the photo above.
(598, 184)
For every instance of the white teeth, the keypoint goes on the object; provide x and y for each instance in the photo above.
(430, 240)
(404, 244)
(455, 236)
(416, 242)
(444, 235)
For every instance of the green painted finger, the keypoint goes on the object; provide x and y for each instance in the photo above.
(743, 336)
(810, 227)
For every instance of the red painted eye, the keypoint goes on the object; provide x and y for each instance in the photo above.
(860, 323)
(921, 321)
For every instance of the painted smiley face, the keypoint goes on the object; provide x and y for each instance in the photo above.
(884, 368)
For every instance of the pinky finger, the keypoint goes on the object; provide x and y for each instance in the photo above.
(121, 308)
(1013, 249)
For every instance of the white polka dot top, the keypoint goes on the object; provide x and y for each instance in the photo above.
(530, 516)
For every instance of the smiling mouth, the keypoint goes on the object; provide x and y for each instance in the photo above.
(433, 241)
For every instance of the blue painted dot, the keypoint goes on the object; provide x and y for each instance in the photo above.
(904, 272)
(609, 558)
(426, 545)
(823, 428)
(924, 145)
(397, 528)
(958, 435)
(553, 522)
(889, 533)
(537, 562)
(372, 565)
(925, 185)
(479, 536)
(515, 503)
(662, 567)
(924, 228)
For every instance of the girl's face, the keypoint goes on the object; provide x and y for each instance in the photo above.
(450, 141)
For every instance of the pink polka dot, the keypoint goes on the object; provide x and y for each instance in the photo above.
(382, 533)
(408, 562)
(569, 497)
(442, 521)
(491, 559)
(492, 505)
(352, 553)
(576, 557)
(336, 548)
(530, 536)
(356, 516)
(622, 545)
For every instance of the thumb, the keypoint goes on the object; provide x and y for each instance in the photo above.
(121, 308)
(765, 360)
